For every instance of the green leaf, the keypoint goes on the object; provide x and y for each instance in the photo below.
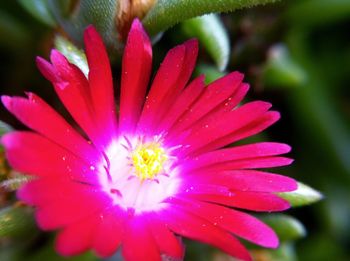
(281, 70)
(211, 34)
(304, 195)
(286, 227)
(303, 13)
(72, 53)
(40, 10)
(211, 73)
(167, 13)
(101, 14)
(285, 251)
(4, 128)
(16, 222)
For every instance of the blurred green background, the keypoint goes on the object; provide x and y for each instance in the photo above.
(295, 54)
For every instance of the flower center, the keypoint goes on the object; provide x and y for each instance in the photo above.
(148, 160)
(139, 172)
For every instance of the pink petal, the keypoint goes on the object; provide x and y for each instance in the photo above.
(182, 103)
(252, 128)
(109, 232)
(47, 70)
(194, 227)
(233, 101)
(33, 154)
(39, 116)
(76, 238)
(266, 162)
(244, 180)
(139, 242)
(165, 79)
(214, 94)
(60, 213)
(136, 69)
(167, 243)
(101, 85)
(72, 88)
(171, 78)
(255, 201)
(246, 152)
(191, 51)
(42, 191)
(215, 126)
(236, 222)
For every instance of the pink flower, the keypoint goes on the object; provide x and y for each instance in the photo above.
(158, 172)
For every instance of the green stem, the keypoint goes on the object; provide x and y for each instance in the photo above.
(167, 13)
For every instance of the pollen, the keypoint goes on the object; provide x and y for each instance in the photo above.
(148, 160)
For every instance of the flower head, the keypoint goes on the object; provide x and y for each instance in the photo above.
(159, 168)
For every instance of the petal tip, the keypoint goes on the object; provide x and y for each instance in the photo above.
(236, 75)
(90, 30)
(192, 44)
(273, 242)
(136, 24)
(91, 36)
(46, 69)
(57, 57)
(6, 101)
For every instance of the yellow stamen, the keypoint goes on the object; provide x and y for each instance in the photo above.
(148, 160)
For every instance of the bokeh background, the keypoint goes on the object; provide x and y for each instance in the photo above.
(295, 54)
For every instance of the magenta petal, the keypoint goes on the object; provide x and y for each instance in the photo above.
(193, 227)
(212, 128)
(267, 162)
(182, 103)
(33, 154)
(101, 85)
(43, 191)
(170, 79)
(59, 213)
(246, 152)
(138, 242)
(109, 232)
(136, 69)
(214, 94)
(76, 238)
(245, 180)
(50, 124)
(255, 201)
(47, 70)
(167, 243)
(250, 163)
(191, 51)
(233, 101)
(252, 128)
(72, 88)
(236, 222)
(165, 79)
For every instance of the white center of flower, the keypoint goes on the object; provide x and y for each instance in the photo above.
(138, 173)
